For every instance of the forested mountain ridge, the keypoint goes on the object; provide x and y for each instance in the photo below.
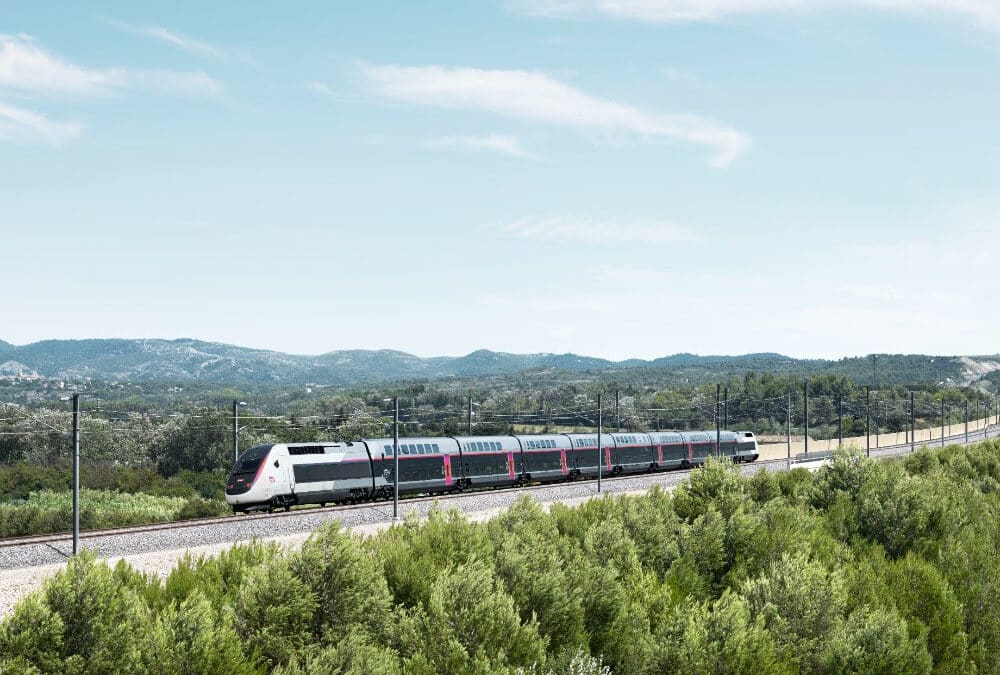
(188, 360)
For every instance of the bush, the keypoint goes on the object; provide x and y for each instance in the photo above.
(862, 568)
(196, 507)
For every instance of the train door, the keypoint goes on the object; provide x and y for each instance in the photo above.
(447, 470)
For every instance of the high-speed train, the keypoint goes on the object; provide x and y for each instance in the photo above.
(281, 475)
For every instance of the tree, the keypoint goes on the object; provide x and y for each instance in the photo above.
(346, 580)
(201, 442)
(875, 640)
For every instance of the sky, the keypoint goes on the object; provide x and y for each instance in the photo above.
(615, 178)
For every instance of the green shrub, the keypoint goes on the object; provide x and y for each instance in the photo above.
(863, 567)
(197, 507)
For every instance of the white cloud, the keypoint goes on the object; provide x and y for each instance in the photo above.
(504, 145)
(588, 231)
(27, 67)
(30, 70)
(536, 97)
(983, 12)
(320, 88)
(187, 44)
(176, 82)
(17, 124)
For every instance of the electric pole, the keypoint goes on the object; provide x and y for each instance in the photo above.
(236, 430)
(725, 407)
(600, 450)
(395, 456)
(942, 422)
(618, 418)
(868, 422)
(788, 427)
(878, 422)
(913, 426)
(469, 417)
(805, 419)
(76, 473)
(840, 420)
(718, 420)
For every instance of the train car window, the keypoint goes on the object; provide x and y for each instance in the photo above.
(436, 448)
(307, 450)
(531, 445)
(497, 445)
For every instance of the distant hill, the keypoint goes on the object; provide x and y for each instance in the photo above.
(186, 360)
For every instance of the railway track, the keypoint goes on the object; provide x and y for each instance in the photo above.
(312, 510)
(380, 511)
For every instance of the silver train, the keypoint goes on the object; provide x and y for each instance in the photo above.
(281, 475)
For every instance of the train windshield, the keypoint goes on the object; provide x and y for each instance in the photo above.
(250, 460)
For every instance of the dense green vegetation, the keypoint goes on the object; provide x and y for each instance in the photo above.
(46, 511)
(861, 567)
(183, 447)
(35, 500)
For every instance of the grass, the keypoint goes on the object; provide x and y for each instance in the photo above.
(47, 511)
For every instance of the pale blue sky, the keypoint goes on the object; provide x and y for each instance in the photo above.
(620, 179)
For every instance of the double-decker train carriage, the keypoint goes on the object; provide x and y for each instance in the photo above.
(425, 464)
(543, 458)
(281, 475)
